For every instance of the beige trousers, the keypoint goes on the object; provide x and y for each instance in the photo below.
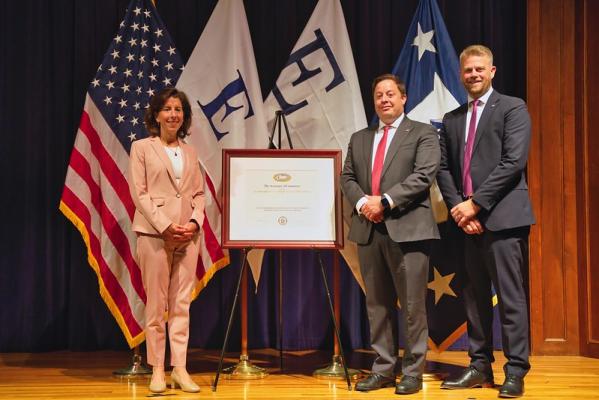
(168, 273)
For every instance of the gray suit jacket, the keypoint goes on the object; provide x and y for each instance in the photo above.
(498, 162)
(409, 169)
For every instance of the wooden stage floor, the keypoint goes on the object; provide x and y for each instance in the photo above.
(70, 375)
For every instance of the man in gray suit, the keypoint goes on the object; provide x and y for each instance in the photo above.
(386, 178)
(484, 150)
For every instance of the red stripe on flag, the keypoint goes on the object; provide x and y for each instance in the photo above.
(109, 223)
(109, 167)
(212, 244)
(110, 282)
(213, 191)
(213, 247)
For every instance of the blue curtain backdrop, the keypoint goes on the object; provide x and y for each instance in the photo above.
(50, 51)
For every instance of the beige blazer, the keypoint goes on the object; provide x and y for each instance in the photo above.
(159, 200)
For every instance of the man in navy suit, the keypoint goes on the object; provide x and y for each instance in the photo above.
(484, 150)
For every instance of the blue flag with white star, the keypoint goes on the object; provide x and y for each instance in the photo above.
(429, 66)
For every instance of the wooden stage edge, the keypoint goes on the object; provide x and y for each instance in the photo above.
(88, 375)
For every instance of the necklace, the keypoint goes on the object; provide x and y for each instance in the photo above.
(174, 150)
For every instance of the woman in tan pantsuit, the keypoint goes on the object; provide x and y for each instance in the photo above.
(168, 191)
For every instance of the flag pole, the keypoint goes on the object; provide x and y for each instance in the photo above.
(244, 369)
(335, 369)
(138, 367)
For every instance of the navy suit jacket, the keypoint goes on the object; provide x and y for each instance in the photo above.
(498, 162)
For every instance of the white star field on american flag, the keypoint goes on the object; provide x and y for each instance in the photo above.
(140, 61)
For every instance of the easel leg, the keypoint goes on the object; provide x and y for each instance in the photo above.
(332, 311)
(281, 310)
(231, 314)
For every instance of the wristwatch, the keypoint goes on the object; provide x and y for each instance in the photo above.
(385, 202)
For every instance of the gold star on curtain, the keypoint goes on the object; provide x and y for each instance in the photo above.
(441, 285)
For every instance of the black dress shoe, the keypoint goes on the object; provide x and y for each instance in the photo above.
(471, 378)
(408, 385)
(373, 382)
(513, 386)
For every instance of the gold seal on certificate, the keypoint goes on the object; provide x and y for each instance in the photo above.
(282, 177)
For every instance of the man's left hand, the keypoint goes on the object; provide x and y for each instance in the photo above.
(373, 209)
(464, 211)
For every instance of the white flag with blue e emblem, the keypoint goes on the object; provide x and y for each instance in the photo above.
(222, 83)
(318, 87)
(319, 92)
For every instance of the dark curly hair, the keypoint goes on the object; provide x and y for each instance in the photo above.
(157, 102)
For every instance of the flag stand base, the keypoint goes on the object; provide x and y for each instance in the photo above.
(335, 371)
(244, 369)
(138, 368)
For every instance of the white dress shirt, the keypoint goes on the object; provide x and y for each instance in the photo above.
(378, 136)
(175, 154)
(482, 102)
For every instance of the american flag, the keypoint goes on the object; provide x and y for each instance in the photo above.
(140, 61)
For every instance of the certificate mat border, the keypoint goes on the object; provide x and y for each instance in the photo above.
(227, 242)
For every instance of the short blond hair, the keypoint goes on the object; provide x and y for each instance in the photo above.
(476, 50)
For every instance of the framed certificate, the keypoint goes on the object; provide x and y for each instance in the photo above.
(282, 199)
